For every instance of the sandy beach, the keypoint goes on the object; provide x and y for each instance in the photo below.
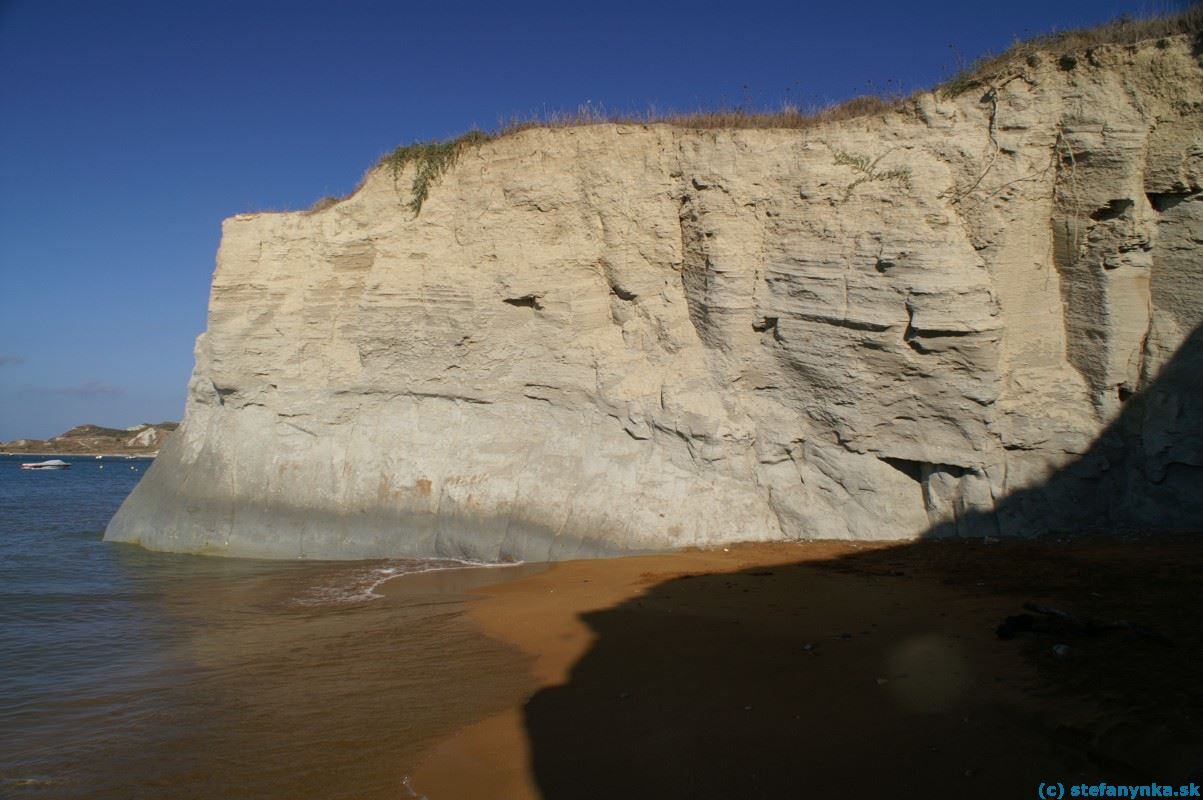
(843, 669)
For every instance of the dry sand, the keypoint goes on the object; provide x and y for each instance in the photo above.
(841, 670)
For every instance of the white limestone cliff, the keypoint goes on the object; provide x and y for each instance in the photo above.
(952, 319)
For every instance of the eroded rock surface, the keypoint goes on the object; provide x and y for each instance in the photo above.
(952, 320)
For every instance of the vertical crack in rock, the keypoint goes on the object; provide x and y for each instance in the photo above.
(1103, 240)
(695, 269)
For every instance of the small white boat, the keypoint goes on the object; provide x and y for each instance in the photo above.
(53, 463)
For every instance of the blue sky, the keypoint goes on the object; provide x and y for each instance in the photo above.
(129, 130)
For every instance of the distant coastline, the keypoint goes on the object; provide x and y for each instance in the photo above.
(143, 440)
(79, 455)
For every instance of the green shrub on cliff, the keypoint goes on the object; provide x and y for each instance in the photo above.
(432, 160)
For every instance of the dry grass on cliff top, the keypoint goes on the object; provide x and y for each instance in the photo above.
(727, 118)
(433, 159)
(1061, 46)
(1067, 45)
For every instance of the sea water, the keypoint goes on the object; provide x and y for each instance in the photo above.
(127, 673)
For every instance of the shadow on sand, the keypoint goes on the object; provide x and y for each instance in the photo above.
(879, 673)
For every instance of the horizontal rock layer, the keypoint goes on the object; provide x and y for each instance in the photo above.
(971, 317)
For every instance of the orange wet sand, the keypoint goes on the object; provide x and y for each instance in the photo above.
(849, 670)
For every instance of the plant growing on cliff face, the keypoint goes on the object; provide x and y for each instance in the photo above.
(867, 170)
(431, 160)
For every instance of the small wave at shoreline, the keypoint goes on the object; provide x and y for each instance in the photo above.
(359, 585)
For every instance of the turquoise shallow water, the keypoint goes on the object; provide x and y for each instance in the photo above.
(126, 673)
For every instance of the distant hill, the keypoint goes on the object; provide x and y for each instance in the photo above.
(144, 439)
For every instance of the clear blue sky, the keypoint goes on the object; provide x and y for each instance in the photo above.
(128, 130)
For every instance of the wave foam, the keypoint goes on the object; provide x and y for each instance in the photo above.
(359, 585)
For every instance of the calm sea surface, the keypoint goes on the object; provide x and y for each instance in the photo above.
(125, 673)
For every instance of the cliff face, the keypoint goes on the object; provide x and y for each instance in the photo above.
(610, 338)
